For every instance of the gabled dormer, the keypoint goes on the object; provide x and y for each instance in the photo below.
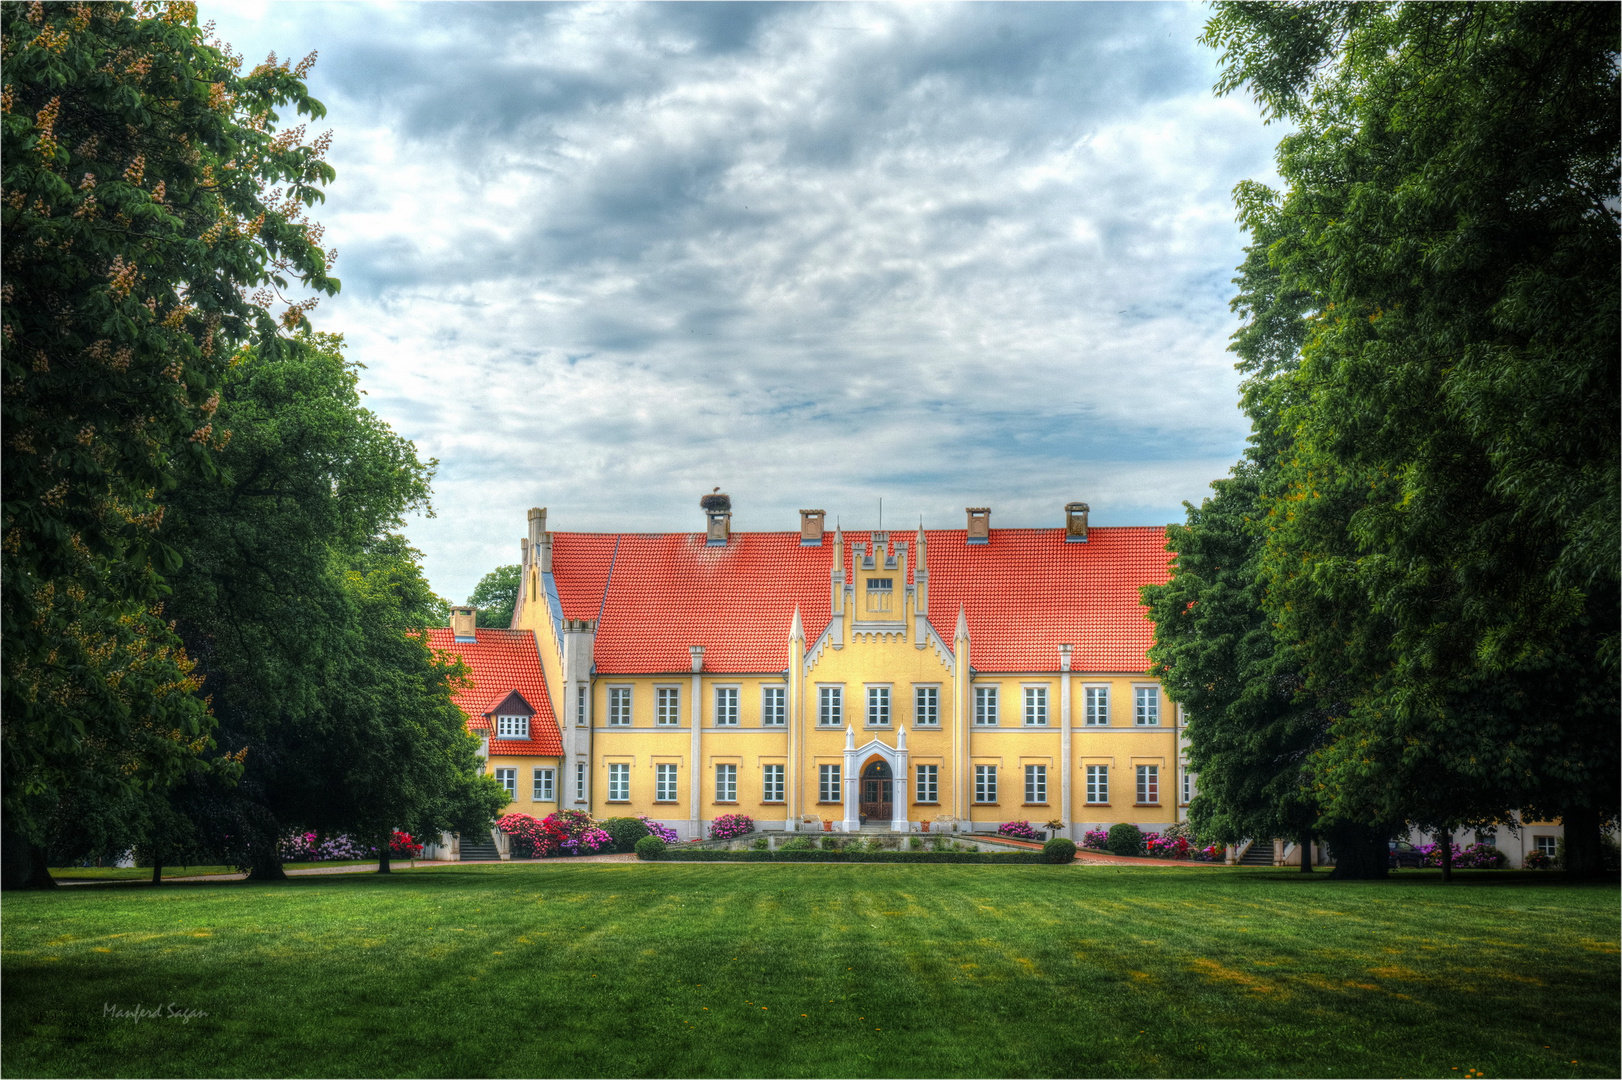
(510, 718)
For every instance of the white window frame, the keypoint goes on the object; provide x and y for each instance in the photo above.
(664, 782)
(1548, 845)
(926, 705)
(773, 783)
(1188, 786)
(1146, 706)
(582, 695)
(829, 789)
(927, 787)
(619, 706)
(773, 706)
(580, 781)
(985, 784)
(508, 778)
(1036, 785)
(985, 706)
(726, 782)
(545, 786)
(1148, 784)
(619, 781)
(726, 706)
(830, 705)
(881, 600)
(1097, 784)
(878, 704)
(667, 706)
(1036, 705)
(1095, 706)
(512, 727)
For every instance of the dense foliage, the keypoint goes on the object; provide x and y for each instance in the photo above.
(496, 595)
(1403, 606)
(152, 207)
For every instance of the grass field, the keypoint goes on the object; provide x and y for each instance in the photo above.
(816, 970)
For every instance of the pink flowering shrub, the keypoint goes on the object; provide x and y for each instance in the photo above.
(309, 847)
(728, 826)
(1018, 830)
(1474, 857)
(663, 832)
(1097, 839)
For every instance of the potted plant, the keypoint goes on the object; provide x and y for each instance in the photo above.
(827, 825)
(923, 826)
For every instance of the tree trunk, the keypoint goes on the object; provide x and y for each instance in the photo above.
(1306, 851)
(383, 854)
(157, 870)
(1447, 854)
(266, 866)
(1361, 852)
(1583, 860)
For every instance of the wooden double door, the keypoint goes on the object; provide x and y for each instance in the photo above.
(878, 791)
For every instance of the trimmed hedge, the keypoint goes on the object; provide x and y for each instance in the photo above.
(1059, 850)
(699, 855)
(650, 847)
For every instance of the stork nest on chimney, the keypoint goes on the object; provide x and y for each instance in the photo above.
(716, 502)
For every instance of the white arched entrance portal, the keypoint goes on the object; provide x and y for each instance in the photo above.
(856, 757)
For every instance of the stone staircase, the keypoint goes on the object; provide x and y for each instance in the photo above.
(479, 848)
(1260, 853)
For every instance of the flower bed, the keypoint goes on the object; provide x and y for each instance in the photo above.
(663, 832)
(1019, 830)
(1474, 857)
(310, 847)
(1096, 839)
(731, 826)
(687, 854)
(566, 832)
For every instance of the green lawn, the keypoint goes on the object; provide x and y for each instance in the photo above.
(817, 970)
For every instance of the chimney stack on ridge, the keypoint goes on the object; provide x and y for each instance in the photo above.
(979, 524)
(1075, 523)
(718, 512)
(811, 528)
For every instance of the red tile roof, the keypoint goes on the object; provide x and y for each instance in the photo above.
(1024, 593)
(499, 662)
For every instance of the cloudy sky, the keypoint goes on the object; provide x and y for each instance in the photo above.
(603, 258)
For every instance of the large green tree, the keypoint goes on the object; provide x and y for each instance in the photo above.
(1441, 548)
(305, 610)
(152, 205)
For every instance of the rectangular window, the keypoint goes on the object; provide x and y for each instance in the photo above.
(1036, 706)
(1148, 784)
(928, 783)
(512, 727)
(830, 706)
(545, 789)
(879, 592)
(1036, 783)
(726, 783)
(985, 706)
(773, 707)
(726, 706)
(926, 702)
(508, 778)
(985, 783)
(580, 781)
(664, 783)
(1546, 845)
(1188, 785)
(771, 783)
(829, 789)
(580, 705)
(1098, 783)
(878, 706)
(619, 783)
(667, 706)
(619, 706)
(1148, 704)
(1095, 712)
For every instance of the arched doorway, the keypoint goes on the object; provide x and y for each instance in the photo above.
(878, 791)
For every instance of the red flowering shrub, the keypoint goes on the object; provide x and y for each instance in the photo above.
(401, 846)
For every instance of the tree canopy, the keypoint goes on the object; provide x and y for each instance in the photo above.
(496, 595)
(1432, 334)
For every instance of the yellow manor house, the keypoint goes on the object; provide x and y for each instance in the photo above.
(813, 680)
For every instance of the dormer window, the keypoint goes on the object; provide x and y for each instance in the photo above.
(512, 727)
(880, 590)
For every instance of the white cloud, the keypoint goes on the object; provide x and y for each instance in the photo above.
(602, 258)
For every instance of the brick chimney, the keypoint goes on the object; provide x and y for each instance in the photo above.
(1075, 523)
(718, 510)
(811, 528)
(979, 524)
(463, 620)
